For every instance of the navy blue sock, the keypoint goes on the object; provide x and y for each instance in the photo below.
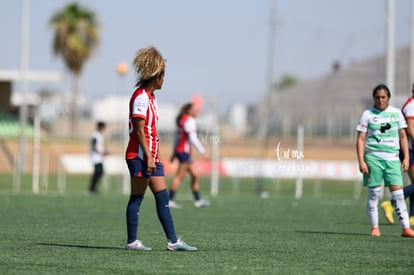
(409, 193)
(196, 195)
(164, 215)
(132, 216)
(171, 194)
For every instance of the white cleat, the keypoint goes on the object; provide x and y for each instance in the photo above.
(137, 245)
(173, 204)
(201, 203)
(179, 245)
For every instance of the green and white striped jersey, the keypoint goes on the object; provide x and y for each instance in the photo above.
(381, 128)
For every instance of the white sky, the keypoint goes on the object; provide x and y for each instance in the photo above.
(213, 47)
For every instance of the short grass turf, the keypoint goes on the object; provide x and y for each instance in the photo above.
(325, 232)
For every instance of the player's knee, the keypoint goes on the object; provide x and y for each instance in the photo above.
(195, 177)
(398, 195)
(374, 194)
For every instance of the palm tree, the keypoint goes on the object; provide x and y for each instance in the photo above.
(75, 39)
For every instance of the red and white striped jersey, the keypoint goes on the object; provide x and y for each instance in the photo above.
(143, 105)
(187, 135)
(408, 111)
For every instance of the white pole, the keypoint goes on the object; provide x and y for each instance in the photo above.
(45, 179)
(16, 177)
(24, 65)
(299, 174)
(411, 50)
(263, 130)
(36, 146)
(122, 70)
(60, 174)
(215, 151)
(126, 186)
(390, 69)
(61, 183)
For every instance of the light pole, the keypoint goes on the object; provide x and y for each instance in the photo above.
(122, 69)
(24, 66)
(390, 47)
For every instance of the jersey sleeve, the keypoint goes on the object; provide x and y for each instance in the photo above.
(409, 110)
(196, 142)
(190, 125)
(191, 129)
(140, 106)
(363, 123)
(402, 123)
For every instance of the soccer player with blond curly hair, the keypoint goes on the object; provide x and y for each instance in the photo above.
(142, 153)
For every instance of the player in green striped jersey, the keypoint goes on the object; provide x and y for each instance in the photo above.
(381, 131)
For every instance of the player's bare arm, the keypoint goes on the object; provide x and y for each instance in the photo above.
(363, 168)
(404, 147)
(410, 127)
(139, 125)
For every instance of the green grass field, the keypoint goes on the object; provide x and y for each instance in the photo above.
(325, 232)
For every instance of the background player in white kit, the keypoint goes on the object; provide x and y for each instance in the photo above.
(97, 151)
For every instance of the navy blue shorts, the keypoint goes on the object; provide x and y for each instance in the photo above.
(183, 157)
(138, 168)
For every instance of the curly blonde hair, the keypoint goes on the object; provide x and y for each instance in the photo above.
(148, 62)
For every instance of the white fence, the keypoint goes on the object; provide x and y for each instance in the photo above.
(318, 169)
(231, 167)
(81, 164)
